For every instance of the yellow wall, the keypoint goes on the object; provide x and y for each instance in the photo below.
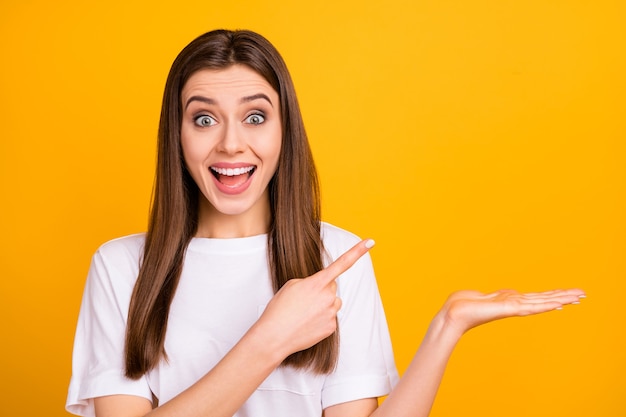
(481, 143)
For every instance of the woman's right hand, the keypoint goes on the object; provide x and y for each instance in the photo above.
(304, 310)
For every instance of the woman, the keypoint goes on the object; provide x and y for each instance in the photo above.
(210, 313)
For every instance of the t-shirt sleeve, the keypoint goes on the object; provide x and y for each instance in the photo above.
(366, 366)
(98, 357)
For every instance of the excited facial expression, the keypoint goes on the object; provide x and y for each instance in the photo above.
(231, 139)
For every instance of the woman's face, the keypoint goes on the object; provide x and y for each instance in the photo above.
(231, 139)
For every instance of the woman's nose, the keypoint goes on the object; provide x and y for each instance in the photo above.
(232, 140)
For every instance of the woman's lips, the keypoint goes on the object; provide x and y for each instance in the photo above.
(232, 180)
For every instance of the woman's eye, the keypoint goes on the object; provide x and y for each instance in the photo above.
(204, 120)
(255, 119)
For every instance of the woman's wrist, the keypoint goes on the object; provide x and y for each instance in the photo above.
(265, 344)
(446, 327)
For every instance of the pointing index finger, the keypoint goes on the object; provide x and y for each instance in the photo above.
(345, 261)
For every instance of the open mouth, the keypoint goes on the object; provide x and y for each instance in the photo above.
(233, 177)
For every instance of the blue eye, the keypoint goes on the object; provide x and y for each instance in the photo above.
(204, 120)
(255, 119)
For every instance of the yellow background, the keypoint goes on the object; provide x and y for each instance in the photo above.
(481, 143)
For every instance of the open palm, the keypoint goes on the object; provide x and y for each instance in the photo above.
(467, 309)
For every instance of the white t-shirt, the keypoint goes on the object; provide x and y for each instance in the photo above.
(224, 288)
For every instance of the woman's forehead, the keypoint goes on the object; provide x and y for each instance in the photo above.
(235, 79)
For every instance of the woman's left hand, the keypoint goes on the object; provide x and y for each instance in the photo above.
(465, 310)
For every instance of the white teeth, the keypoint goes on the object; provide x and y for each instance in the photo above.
(231, 172)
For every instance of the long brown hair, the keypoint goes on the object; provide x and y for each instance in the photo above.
(294, 242)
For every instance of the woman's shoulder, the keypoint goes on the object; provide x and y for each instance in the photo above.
(123, 248)
(337, 240)
(115, 265)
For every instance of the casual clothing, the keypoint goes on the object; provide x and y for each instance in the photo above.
(223, 290)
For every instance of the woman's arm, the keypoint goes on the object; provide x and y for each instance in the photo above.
(416, 391)
(220, 392)
(301, 313)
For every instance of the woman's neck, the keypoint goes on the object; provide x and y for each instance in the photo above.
(214, 224)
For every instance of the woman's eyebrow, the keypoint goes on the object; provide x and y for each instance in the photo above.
(205, 100)
(256, 97)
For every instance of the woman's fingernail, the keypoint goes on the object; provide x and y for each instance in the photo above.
(559, 308)
(369, 243)
(582, 296)
(576, 302)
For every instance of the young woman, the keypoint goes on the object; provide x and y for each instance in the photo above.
(239, 300)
